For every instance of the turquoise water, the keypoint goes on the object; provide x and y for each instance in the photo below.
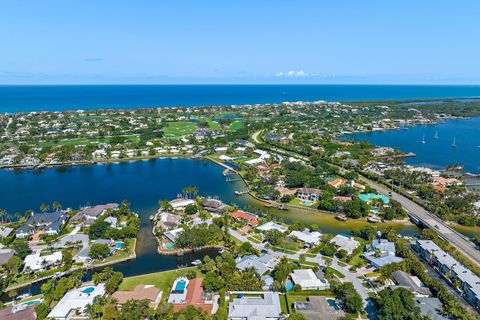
(289, 285)
(33, 302)
(119, 245)
(370, 196)
(434, 153)
(36, 98)
(88, 290)
(333, 304)
(180, 286)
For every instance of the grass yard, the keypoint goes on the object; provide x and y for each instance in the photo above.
(162, 280)
(235, 125)
(179, 129)
(334, 272)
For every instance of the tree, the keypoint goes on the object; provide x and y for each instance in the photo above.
(2, 215)
(350, 298)
(396, 304)
(13, 264)
(21, 249)
(191, 209)
(44, 207)
(98, 250)
(114, 282)
(67, 259)
(135, 310)
(297, 316)
(56, 206)
(282, 270)
(98, 230)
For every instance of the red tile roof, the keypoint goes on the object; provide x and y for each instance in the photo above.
(194, 297)
(239, 214)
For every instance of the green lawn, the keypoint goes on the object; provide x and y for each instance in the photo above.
(119, 254)
(335, 272)
(235, 125)
(179, 129)
(162, 280)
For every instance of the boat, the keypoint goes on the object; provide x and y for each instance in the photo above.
(222, 250)
(239, 193)
(24, 296)
(454, 144)
(436, 134)
(151, 217)
(341, 217)
(196, 262)
(59, 274)
(373, 219)
(423, 139)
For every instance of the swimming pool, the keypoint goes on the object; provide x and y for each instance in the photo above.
(289, 285)
(169, 246)
(119, 245)
(333, 304)
(33, 302)
(180, 286)
(88, 290)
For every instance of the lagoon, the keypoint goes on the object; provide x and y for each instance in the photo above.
(434, 153)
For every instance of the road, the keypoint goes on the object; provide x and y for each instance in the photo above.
(417, 212)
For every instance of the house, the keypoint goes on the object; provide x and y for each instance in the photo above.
(214, 205)
(172, 235)
(381, 253)
(181, 203)
(368, 197)
(35, 262)
(309, 238)
(90, 214)
(337, 183)
(357, 185)
(73, 303)
(250, 219)
(342, 198)
(309, 194)
(168, 220)
(448, 266)
(381, 151)
(270, 225)
(307, 280)
(112, 221)
(261, 264)
(404, 280)
(431, 308)
(318, 308)
(255, 305)
(186, 293)
(141, 292)
(5, 232)
(49, 222)
(5, 255)
(285, 191)
(71, 240)
(345, 242)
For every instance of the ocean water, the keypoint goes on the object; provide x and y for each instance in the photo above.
(58, 98)
(435, 153)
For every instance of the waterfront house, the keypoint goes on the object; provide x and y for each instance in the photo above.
(262, 264)
(381, 253)
(309, 194)
(5, 232)
(18, 312)
(35, 262)
(187, 292)
(214, 205)
(112, 221)
(181, 203)
(318, 308)
(345, 242)
(172, 235)
(254, 305)
(141, 292)
(270, 225)
(250, 219)
(309, 238)
(168, 220)
(307, 280)
(73, 303)
(88, 215)
(453, 270)
(49, 222)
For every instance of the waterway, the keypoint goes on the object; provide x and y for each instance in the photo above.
(436, 153)
(143, 184)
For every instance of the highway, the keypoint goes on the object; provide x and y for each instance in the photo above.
(417, 212)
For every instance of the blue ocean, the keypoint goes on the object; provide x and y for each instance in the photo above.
(58, 98)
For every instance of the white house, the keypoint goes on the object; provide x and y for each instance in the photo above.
(308, 238)
(307, 280)
(35, 262)
(344, 242)
(270, 225)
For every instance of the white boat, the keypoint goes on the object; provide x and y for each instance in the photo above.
(454, 144)
(436, 134)
(24, 296)
(59, 274)
(423, 139)
(196, 262)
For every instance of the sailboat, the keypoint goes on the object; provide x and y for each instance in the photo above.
(423, 139)
(454, 145)
(436, 134)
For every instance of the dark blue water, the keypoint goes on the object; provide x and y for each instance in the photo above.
(36, 98)
(435, 153)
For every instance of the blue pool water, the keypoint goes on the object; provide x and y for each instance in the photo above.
(289, 285)
(88, 290)
(333, 304)
(119, 245)
(180, 286)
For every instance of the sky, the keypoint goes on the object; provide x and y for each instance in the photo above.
(243, 41)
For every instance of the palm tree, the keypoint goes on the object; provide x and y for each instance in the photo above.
(44, 207)
(2, 214)
(165, 205)
(17, 216)
(56, 206)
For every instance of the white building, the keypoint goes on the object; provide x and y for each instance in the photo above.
(270, 225)
(255, 305)
(75, 301)
(35, 262)
(308, 238)
(181, 203)
(307, 280)
(343, 242)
